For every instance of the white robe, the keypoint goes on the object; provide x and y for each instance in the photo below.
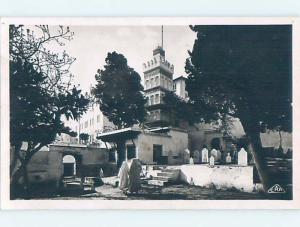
(123, 176)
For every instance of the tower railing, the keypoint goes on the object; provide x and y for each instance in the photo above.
(154, 63)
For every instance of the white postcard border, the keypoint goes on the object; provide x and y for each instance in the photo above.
(6, 203)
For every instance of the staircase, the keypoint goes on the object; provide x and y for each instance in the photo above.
(278, 167)
(163, 175)
(280, 170)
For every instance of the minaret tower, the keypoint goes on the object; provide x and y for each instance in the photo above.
(158, 78)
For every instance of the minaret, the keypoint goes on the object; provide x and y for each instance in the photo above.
(162, 37)
(158, 78)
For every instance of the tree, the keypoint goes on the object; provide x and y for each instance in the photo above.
(243, 72)
(40, 95)
(119, 94)
(178, 109)
(84, 136)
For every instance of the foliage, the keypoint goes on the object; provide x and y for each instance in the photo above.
(244, 72)
(119, 92)
(41, 94)
(178, 108)
(84, 136)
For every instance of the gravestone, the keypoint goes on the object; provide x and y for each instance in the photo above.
(219, 156)
(197, 158)
(214, 153)
(204, 155)
(191, 161)
(242, 157)
(186, 156)
(212, 161)
(228, 158)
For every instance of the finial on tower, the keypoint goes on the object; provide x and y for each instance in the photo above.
(162, 37)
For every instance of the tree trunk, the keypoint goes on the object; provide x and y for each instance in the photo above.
(280, 140)
(22, 170)
(13, 164)
(17, 187)
(255, 147)
(25, 177)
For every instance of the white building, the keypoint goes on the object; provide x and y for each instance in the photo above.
(91, 123)
(179, 87)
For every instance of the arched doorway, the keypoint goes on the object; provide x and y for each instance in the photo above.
(216, 143)
(69, 165)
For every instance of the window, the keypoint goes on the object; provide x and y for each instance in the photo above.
(98, 118)
(151, 99)
(153, 115)
(174, 86)
(157, 98)
(147, 84)
(151, 82)
(86, 124)
(156, 81)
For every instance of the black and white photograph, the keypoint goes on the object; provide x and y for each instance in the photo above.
(137, 111)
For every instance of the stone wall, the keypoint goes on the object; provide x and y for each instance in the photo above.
(221, 177)
(47, 166)
(272, 139)
(175, 141)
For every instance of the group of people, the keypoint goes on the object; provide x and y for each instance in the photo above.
(129, 176)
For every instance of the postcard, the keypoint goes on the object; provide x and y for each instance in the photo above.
(150, 113)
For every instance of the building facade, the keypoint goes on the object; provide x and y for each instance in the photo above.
(92, 122)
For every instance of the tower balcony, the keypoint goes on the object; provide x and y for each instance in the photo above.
(165, 65)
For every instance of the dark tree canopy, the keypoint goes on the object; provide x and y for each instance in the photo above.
(243, 71)
(119, 92)
(84, 136)
(178, 109)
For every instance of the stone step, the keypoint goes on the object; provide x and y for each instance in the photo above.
(156, 182)
(169, 170)
(159, 167)
(165, 174)
(165, 179)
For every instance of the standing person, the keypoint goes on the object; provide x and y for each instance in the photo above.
(124, 176)
(135, 169)
(234, 154)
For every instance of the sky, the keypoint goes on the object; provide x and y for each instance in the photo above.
(91, 44)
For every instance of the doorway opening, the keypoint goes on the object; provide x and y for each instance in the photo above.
(131, 151)
(69, 166)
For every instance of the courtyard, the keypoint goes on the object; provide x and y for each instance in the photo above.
(151, 192)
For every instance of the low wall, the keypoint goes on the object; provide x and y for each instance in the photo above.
(221, 176)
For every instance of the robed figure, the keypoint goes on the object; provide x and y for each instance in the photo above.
(124, 176)
(135, 169)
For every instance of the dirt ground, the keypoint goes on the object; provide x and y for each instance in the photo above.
(149, 192)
